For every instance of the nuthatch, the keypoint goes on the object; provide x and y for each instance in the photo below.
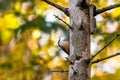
(64, 45)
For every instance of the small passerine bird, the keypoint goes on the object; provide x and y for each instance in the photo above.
(64, 45)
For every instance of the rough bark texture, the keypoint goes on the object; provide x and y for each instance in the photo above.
(79, 68)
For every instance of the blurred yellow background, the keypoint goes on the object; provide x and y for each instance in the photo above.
(29, 35)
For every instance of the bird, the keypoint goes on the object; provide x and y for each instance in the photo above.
(64, 45)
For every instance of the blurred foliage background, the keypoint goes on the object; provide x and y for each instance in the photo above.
(28, 41)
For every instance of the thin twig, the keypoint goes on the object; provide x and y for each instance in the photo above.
(99, 60)
(107, 8)
(65, 10)
(67, 59)
(74, 71)
(59, 71)
(63, 21)
(106, 45)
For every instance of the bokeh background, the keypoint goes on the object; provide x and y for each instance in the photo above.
(29, 35)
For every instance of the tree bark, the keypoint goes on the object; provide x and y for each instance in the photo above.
(79, 68)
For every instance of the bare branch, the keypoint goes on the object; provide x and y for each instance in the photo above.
(63, 21)
(99, 60)
(59, 71)
(106, 46)
(107, 8)
(65, 10)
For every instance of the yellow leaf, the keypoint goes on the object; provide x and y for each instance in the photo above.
(9, 21)
(18, 6)
(2, 24)
(116, 13)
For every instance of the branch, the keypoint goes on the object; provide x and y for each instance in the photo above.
(63, 21)
(107, 8)
(99, 60)
(65, 10)
(59, 71)
(106, 45)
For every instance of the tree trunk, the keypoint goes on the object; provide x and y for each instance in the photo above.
(79, 68)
